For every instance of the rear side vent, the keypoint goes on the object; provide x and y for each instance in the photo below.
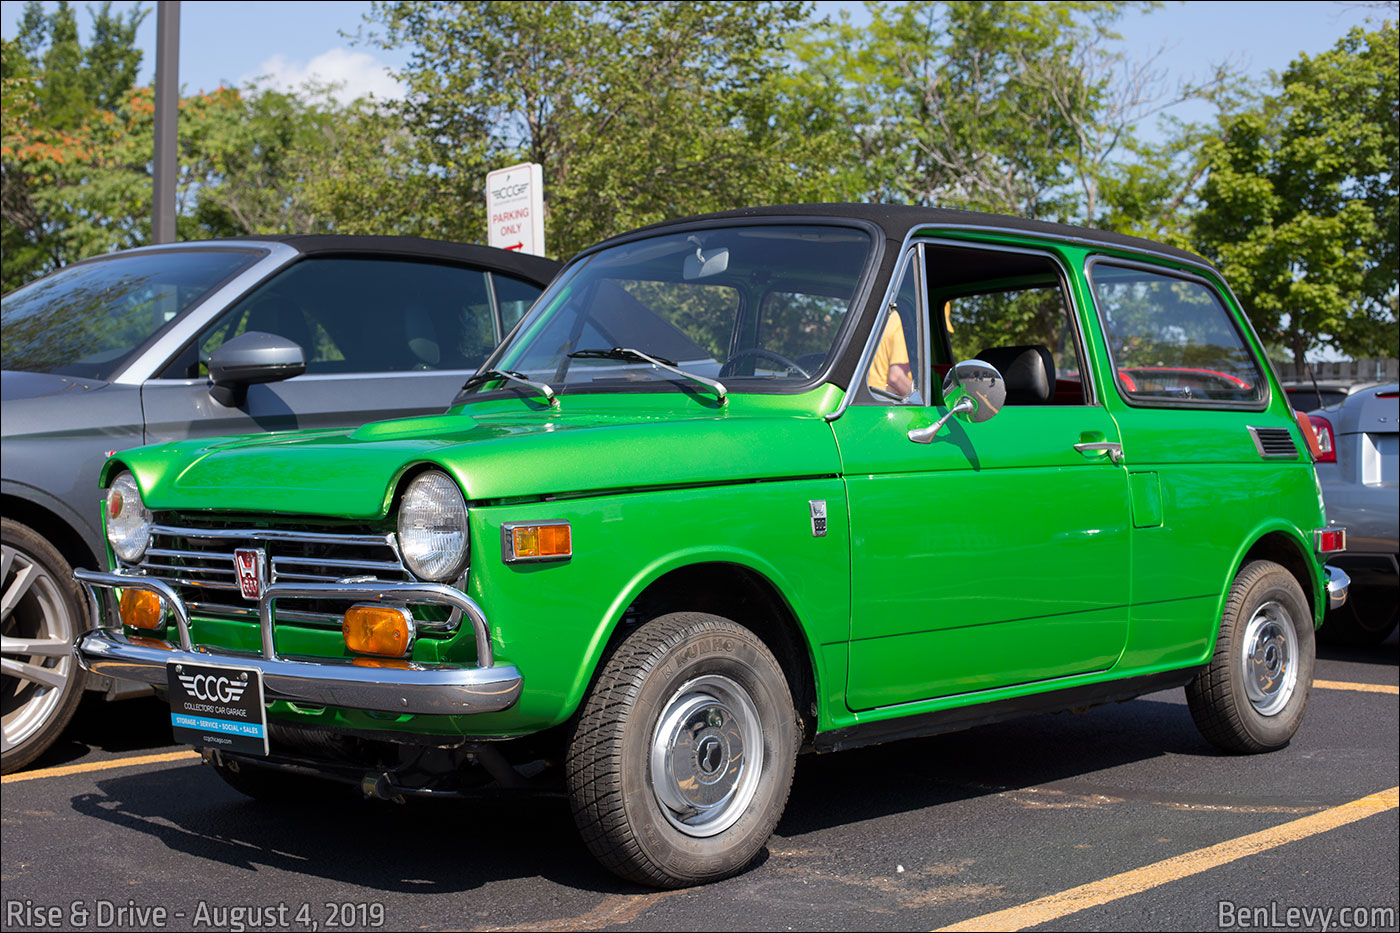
(1274, 443)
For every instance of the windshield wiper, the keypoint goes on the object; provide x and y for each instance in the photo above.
(506, 375)
(637, 356)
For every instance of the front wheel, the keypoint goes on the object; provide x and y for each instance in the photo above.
(1252, 695)
(43, 612)
(681, 759)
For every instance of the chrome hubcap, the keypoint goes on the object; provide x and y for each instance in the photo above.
(706, 755)
(1270, 658)
(36, 651)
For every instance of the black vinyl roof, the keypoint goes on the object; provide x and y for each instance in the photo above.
(898, 219)
(536, 269)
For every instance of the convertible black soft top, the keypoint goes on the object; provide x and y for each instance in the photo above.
(897, 219)
(536, 269)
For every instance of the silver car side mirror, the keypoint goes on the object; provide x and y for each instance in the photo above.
(249, 359)
(973, 390)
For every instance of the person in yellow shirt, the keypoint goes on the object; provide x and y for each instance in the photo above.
(889, 370)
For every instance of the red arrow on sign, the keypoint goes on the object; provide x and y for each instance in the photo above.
(520, 245)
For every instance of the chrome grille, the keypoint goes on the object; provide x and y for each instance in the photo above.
(197, 560)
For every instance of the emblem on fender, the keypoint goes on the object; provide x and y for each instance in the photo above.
(248, 564)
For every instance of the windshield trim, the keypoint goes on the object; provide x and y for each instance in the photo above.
(121, 373)
(736, 385)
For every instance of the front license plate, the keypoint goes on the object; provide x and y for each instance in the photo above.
(220, 707)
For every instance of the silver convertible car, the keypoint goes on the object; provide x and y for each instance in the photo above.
(1360, 442)
(206, 338)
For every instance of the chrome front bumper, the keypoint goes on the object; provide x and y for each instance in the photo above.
(1337, 585)
(442, 689)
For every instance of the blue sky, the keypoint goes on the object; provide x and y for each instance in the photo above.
(283, 43)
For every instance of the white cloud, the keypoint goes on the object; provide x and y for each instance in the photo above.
(353, 74)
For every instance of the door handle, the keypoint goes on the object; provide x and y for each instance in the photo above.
(1114, 450)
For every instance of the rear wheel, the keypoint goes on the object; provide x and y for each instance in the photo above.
(681, 759)
(42, 613)
(1252, 696)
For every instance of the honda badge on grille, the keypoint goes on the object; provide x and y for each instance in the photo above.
(248, 564)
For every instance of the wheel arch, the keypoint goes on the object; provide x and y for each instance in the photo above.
(733, 584)
(55, 522)
(1286, 545)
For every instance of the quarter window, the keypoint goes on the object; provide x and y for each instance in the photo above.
(1172, 340)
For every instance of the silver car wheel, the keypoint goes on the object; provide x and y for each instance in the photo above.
(36, 651)
(1269, 654)
(707, 755)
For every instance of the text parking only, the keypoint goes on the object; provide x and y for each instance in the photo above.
(515, 208)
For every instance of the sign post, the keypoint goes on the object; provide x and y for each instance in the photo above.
(515, 208)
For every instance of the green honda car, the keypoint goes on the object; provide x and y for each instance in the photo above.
(738, 487)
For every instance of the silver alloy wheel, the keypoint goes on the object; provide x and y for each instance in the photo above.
(707, 755)
(1270, 657)
(37, 645)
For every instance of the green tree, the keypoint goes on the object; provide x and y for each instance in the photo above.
(1300, 204)
(637, 111)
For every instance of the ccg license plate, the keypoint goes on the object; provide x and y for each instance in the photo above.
(219, 707)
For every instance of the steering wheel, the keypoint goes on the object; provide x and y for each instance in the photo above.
(773, 357)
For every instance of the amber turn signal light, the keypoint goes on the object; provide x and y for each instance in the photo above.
(539, 541)
(381, 630)
(142, 609)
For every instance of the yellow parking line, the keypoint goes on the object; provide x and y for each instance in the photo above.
(1096, 893)
(1364, 688)
(110, 763)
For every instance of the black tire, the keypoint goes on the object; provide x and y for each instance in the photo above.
(274, 786)
(1252, 696)
(680, 701)
(1367, 619)
(41, 687)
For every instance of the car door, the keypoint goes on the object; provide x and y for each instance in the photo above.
(383, 338)
(998, 553)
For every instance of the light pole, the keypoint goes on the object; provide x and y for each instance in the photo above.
(167, 155)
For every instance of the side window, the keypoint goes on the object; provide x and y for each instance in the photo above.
(513, 298)
(1172, 340)
(1010, 309)
(361, 315)
(896, 365)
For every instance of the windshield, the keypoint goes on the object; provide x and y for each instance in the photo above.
(87, 319)
(758, 307)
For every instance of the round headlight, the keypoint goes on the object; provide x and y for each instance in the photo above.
(433, 528)
(128, 519)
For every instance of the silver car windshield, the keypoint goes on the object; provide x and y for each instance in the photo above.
(758, 307)
(87, 319)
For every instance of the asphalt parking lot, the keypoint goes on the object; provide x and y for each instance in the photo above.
(1120, 818)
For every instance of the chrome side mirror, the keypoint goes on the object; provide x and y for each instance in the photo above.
(974, 391)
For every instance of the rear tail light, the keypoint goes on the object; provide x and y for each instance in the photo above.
(1309, 435)
(1387, 394)
(1330, 540)
(1326, 450)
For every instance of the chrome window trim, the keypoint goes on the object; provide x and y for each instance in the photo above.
(919, 241)
(324, 377)
(185, 328)
(1088, 386)
(872, 339)
(1266, 371)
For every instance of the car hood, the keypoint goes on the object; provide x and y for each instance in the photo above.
(15, 385)
(494, 456)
